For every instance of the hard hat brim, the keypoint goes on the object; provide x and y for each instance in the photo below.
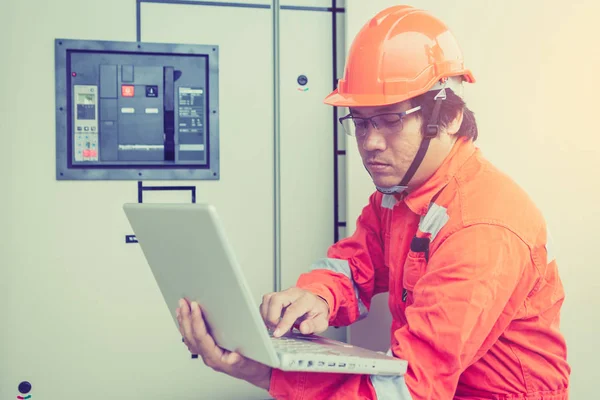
(362, 100)
(337, 99)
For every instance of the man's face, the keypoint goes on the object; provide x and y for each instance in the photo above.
(387, 152)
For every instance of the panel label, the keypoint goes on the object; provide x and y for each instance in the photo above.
(191, 110)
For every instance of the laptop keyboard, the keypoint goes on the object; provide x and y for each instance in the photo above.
(305, 346)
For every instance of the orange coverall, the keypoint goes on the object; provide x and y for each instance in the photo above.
(476, 315)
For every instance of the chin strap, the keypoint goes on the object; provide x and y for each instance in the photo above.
(431, 131)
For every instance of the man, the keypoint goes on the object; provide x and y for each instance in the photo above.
(463, 252)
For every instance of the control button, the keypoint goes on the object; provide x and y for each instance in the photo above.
(152, 91)
(127, 90)
(87, 128)
(93, 128)
(79, 128)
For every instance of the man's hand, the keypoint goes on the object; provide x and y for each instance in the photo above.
(200, 342)
(282, 310)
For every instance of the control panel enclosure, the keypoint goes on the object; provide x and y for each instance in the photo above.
(136, 111)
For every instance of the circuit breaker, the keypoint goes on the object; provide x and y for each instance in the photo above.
(129, 110)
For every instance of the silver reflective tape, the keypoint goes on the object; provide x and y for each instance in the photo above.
(342, 267)
(388, 201)
(390, 387)
(333, 264)
(191, 147)
(434, 220)
(362, 309)
(151, 110)
(127, 110)
(549, 247)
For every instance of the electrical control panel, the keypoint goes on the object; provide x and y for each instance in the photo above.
(136, 111)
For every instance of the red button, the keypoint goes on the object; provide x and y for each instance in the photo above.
(93, 153)
(86, 153)
(127, 90)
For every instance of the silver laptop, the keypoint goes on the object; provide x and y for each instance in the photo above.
(189, 254)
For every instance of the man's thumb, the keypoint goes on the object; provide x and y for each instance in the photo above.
(231, 358)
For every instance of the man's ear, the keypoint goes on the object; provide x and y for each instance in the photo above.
(454, 125)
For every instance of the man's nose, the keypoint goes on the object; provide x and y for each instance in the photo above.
(373, 139)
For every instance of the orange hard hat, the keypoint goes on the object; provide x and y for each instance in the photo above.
(400, 53)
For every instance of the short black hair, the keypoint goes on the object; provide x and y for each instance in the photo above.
(448, 111)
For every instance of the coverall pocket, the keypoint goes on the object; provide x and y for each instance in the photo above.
(414, 268)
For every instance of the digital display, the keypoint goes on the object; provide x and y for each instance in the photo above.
(86, 111)
(86, 108)
(85, 98)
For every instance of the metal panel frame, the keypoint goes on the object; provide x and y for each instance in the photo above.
(139, 171)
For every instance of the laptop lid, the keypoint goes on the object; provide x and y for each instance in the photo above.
(190, 257)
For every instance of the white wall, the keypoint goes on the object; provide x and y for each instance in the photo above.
(536, 105)
(81, 314)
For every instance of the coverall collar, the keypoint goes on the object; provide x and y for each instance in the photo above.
(419, 199)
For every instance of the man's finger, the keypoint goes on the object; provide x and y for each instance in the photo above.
(198, 325)
(277, 304)
(307, 327)
(186, 324)
(296, 310)
(264, 306)
(205, 344)
(179, 324)
(316, 324)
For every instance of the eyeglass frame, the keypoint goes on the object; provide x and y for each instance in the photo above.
(370, 119)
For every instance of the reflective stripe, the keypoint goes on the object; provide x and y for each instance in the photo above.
(390, 387)
(342, 266)
(434, 220)
(388, 201)
(549, 247)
